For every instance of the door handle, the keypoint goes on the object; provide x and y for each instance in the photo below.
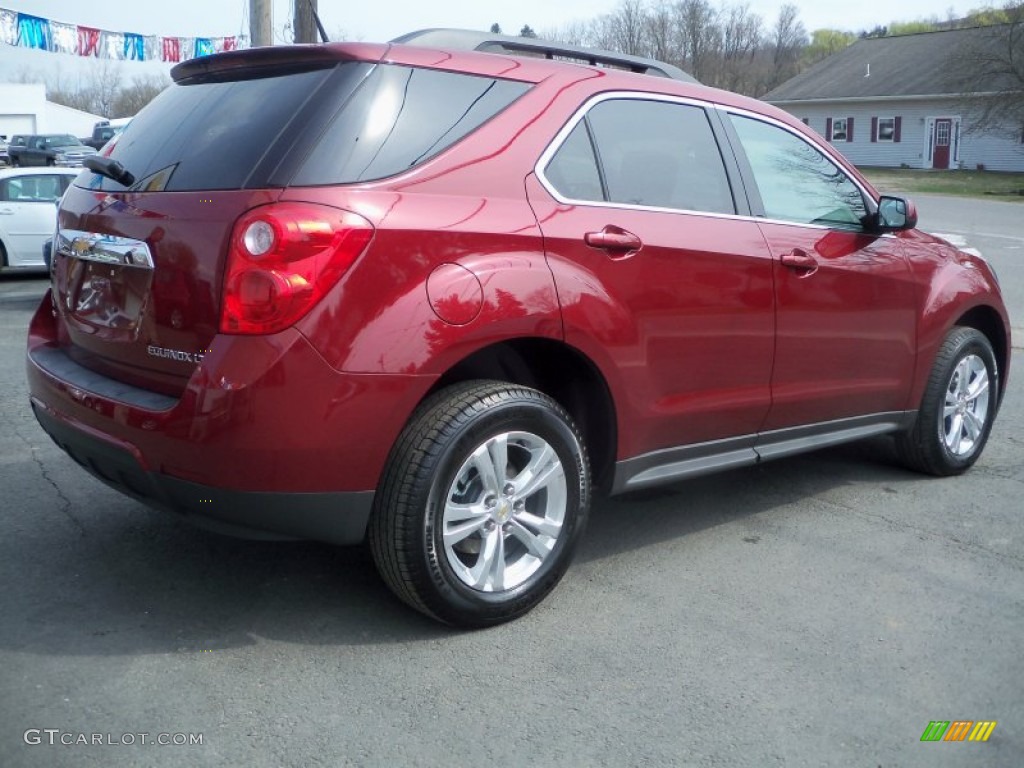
(801, 261)
(613, 239)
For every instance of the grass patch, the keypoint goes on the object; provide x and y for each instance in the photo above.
(989, 185)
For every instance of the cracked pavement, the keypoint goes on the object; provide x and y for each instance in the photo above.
(815, 611)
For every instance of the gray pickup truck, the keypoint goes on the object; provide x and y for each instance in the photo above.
(60, 149)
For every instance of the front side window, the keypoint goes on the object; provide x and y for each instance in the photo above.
(652, 153)
(796, 181)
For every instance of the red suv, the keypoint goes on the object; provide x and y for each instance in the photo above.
(433, 298)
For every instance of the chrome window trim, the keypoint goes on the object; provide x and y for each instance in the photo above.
(556, 143)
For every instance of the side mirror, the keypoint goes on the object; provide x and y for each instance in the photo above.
(895, 214)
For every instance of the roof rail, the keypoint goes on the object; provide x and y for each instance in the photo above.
(465, 39)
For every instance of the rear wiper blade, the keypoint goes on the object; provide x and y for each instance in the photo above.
(112, 169)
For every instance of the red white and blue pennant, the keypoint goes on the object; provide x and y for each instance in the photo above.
(26, 31)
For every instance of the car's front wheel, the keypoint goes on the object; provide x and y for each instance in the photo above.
(958, 407)
(484, 498)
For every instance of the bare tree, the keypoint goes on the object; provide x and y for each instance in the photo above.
(662, 34)
(579, 33)
(788, 39)
(627, 28)
(740, 42)
(132, 98)
(699, 35)
(990, 65)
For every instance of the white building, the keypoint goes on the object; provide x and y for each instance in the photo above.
(24, 109)
(897, 101)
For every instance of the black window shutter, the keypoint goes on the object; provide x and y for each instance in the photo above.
(874, 129)
(849, 129)
(896, 129)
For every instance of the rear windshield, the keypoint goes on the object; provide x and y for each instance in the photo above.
(350, 122)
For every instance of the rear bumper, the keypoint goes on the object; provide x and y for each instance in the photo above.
(266, 440)
(338, 518)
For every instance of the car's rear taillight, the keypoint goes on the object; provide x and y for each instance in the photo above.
(283, 258)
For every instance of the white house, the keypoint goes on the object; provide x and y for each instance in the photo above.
(897, 101)
(24, 109)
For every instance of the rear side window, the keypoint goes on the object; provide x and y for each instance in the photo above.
(401, 117)
(652, 153)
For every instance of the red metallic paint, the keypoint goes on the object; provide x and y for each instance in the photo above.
(260, 413)
(834, 359)
(682, 330)
(686, 323)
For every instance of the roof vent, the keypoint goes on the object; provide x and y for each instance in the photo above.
(868, 72)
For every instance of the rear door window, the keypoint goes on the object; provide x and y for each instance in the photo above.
(657, 154)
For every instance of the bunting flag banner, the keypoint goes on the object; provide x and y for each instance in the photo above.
(153, 48)
(88, 41)
(63, 38)
(134, 47)
(204, 47)
(27, 31)
(111, 45)
(8, 27)
(171, 49)
(33, 32)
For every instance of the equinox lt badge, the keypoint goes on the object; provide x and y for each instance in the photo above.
(174, 354)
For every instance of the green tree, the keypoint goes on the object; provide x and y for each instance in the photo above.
(495, 28)
(912, 27)
(526, 31)
(825, 42)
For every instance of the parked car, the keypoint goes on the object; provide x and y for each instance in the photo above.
(104, 131)
(3, 152)
(438, 298)
(28, 214)
(54, 149)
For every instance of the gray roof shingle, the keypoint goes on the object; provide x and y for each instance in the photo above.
(925, 64)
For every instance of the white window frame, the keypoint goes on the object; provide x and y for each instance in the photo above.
(892, 133)
(836, 135)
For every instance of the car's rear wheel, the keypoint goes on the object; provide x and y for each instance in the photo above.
(958, 407)
(484, 498)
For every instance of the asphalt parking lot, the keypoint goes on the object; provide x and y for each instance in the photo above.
(816, 611)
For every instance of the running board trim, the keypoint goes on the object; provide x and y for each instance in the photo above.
(673, 464)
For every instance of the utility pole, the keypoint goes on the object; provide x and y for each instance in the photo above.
(261, 29)
(305, 26)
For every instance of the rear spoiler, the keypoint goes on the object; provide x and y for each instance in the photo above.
(281, 59)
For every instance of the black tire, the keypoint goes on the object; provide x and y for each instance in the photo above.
(926, 447)
(406, 531)
(51, 162)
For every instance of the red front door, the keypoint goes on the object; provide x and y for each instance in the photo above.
(943, 139)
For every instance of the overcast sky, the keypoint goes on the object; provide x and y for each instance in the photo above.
(380, 20)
